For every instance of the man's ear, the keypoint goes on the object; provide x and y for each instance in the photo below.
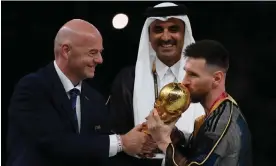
(217, 78)
(65, 50)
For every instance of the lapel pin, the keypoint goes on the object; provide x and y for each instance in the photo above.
(98, 127)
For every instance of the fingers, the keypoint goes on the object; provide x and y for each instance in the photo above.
(139, 127)
(147, 149)
(157, 117)
(151, 123)
(144, 125)
(149, 145)
(150, 140)
(151, 112)
(154, 120)
(136, 141)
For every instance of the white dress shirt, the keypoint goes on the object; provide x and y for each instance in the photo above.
(68, 85)
(166, 74)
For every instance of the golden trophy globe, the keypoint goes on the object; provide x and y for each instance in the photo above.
(172, 101)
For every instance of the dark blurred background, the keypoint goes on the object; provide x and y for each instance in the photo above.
(247, 29)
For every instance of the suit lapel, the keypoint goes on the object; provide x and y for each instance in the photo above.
(90, 111)
(60, 98)
(85, 102)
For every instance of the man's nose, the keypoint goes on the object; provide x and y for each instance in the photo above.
(99, 59)
(185, 81)
(166, 35)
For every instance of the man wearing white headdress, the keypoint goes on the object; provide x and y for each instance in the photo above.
(165, 35)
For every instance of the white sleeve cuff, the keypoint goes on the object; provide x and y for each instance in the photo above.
(113, 145)
(163, 162)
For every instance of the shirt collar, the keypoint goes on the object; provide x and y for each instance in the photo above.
(162, 69)
(67, 84)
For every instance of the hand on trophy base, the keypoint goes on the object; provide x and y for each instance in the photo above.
(150, 146)
(156, 150)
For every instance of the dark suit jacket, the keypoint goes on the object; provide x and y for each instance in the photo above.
(41, 124)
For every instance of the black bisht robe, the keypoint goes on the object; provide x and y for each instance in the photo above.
(120, 105)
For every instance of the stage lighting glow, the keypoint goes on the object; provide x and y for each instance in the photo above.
(120, 21)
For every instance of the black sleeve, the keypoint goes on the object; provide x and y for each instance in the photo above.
(208, 147)
(121, 101)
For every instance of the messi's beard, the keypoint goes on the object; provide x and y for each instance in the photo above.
(198, 97)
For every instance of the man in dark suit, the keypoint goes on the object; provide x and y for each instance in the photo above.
(56, 119)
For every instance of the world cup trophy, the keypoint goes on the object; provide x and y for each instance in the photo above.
(173, 100)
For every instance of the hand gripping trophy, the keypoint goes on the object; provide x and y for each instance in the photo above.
(173, 100)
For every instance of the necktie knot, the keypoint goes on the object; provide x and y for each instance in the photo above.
(74, 92)
(73, 96)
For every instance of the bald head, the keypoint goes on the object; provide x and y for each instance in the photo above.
(75, 32)
(78, 47)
